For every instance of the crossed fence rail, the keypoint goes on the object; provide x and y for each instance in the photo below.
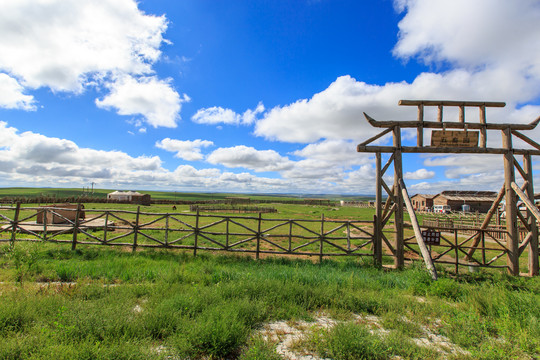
(464, 247)
(247, 234)
(242, 234)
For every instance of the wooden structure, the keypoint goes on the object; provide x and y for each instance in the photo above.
(59, 214)
(255, 235)
(422, 202)
(450, 143)
(131, 197)
(477, 200)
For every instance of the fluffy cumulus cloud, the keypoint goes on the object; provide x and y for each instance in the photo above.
(13, 96)
(249, 158)
(185, 149)
(147, 96)
(341, 152)
(470, 33)
(29, 158)
(218, 115)
(82, 43)
(420, 174)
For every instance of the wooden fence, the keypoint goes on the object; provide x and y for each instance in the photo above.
(257, 235)
(232, 209)
(246, 234)
(456, 243)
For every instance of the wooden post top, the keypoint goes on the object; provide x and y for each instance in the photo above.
(451, 103)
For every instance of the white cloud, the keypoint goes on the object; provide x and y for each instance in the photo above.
(340, 152)
(496, 33)
(249, 158)
(70, 45)
(13, 96)
(187, 150)
(215, 115)
(76, 40)
(420, 174)
(459, 165)
(488, 61)
(150, 97)
(218, 115)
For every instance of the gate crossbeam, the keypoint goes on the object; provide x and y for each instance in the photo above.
(463, 141)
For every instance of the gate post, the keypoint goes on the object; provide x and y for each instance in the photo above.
(398, 214)
(377, 228)
(533, 243)
(512, 236)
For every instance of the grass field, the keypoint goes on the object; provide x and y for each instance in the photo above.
(103, 303)
(163, 195)
(99, 302)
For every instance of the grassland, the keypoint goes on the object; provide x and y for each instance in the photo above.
(103, 303)
(100, 302)
(160, 195)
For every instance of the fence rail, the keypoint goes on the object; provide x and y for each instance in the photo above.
(455, 244)
(256, 235)
(247, 234)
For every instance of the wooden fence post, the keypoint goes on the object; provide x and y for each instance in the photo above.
(76, 227)
(258, 238)
(456, 250)
(106, 227)
(14, 226)
(227, 234)
(136, 230)
(290, 235)
(321, 241)
(196, 231)
(167, 230)
(377, 224)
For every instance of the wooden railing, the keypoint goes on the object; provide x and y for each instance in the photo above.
(455, 245)
(246, 234)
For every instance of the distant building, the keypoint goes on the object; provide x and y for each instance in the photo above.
(131, 197)
(422, 202)
(479, 201)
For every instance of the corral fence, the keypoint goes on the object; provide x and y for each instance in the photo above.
(256, 235)
(232, 209)
(467, 223)
(195, 232)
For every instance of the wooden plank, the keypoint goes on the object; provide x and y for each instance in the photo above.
(449, 125)
(448, 138)
(15, 225)
(377, 240)
(451, 103)
(512, 239)
(532, 208)
(418, 234)
(483, 132)
(533, 260)
(526, 139)
(398, 201)
(487, 220)
(136, 229)
(441, 150)
(373, 138)
(420, 129)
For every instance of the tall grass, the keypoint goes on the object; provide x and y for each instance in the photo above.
(110, 303)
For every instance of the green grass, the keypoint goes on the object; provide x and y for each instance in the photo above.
(23, 192)
(114, 304)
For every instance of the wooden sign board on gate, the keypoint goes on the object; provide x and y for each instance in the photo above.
(431, 237)
(448, 138)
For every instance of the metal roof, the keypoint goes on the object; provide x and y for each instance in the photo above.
(488, 196)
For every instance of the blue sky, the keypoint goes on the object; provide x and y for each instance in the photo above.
(251, 96)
